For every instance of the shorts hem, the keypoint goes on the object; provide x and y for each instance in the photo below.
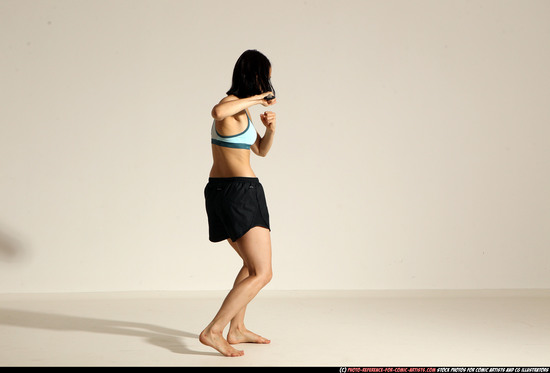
(216, 240)
(255, 225)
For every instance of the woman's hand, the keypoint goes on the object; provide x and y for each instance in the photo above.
(265, 102)
(269, 119)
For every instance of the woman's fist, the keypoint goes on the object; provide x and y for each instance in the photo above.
(269, 119)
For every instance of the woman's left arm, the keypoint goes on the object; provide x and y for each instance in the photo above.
(263, 144)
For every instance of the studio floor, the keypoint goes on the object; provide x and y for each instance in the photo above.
(454, 328)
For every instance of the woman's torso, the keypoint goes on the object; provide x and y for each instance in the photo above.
(229, 161)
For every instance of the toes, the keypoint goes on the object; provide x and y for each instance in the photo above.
(260, 339)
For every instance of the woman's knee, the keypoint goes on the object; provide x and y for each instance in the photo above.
(261, 278)
(265, 277)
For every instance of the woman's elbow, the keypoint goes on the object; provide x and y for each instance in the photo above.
(216, 113)
(256, 150)
(262, 153)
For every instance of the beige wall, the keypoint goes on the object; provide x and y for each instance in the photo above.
(412, 148)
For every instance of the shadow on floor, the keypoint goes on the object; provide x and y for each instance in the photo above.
(167, 338)
(11, 249)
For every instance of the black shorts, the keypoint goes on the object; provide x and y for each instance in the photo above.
(234, 205)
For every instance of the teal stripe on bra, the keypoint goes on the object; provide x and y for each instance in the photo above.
(230, 145)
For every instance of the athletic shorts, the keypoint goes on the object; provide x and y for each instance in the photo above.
(234, 205)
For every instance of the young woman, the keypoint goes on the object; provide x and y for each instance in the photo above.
(235, 200)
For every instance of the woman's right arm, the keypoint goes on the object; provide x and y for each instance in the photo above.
(232, 105)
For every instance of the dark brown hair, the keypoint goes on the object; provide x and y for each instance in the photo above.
(251, 75)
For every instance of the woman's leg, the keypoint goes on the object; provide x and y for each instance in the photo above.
(238, 333)
(255, 248)
(238, 320)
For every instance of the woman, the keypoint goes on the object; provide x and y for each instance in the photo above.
(235, 201)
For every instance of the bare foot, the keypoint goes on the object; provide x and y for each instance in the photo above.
(245, 336)
(216, 341)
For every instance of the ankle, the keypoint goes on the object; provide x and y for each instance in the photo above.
(236, 328)
(211, 329)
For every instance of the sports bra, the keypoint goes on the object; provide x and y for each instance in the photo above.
(242, 140)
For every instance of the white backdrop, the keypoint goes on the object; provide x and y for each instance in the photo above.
(412, 146)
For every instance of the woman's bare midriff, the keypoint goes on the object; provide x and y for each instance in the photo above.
(230, 162)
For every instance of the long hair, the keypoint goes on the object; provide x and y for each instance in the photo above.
(251, 75)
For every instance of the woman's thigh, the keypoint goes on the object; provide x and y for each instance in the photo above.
(255, 250)
(236, 248)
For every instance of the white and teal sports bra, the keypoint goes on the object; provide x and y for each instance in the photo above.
(241, 140)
